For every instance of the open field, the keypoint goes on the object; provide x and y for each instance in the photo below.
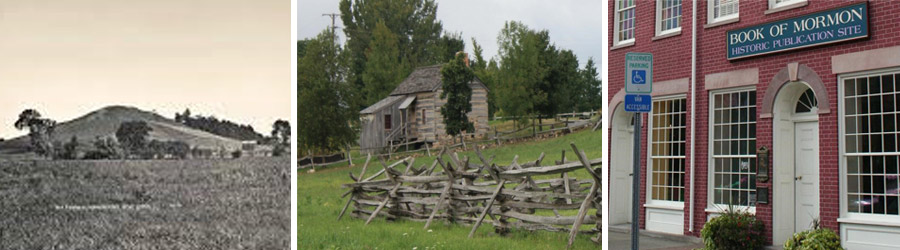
(319, 203)
(157, 204)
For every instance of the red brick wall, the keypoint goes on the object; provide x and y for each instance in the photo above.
(672, 61)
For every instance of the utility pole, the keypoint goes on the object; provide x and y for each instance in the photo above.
(333, 28)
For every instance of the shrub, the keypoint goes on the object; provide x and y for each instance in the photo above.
(733, 230)
(815, 238)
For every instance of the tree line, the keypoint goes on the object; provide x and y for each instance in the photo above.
(219, 127)
(385, 40)
(131, 141)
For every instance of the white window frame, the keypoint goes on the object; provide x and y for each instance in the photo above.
(711, 206)
(616, 18)
(773, 4)
(712, 19)
(649, 186)
(845, 215)
(659, 21)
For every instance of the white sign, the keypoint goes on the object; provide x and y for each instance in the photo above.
(638, 72)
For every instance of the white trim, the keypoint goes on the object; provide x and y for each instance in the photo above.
(649, 166)
(710, 169)
(788, 3)
(845, 215)
(868, 236)
(693, 108)
(887, 223)
(720, 209)
(711, 19)
(664, 220)
(659, 29)
(671, 206)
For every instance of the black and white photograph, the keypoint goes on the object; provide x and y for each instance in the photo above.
(145, 124)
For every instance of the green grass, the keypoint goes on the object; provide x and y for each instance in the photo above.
(319, 203)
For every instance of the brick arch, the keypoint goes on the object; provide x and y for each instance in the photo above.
(617, 99)
(795, 72)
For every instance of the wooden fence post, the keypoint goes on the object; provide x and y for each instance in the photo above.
(361, 175)
(487, 208)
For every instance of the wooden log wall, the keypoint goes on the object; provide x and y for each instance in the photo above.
(522, 195)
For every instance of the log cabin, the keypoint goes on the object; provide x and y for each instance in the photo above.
(411, 114)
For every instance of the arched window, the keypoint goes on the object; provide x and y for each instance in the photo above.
(807, 102)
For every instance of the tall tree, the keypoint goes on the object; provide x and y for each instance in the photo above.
(487, 73)
(447, 47)
(301, 47)
(415, 24)
(562, 82)
(327, 107)
(384, 66)
(522, 70)
(40, 131)
(281, 131)
(133, 136)
(455, 78)
(478, 62)
(71, 149)
(589, 97)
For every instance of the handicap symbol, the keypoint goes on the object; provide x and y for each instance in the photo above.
(638, 76)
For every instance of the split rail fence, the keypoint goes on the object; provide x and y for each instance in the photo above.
(520, 195)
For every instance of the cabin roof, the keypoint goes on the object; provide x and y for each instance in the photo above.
(387, 101)
(424, 79)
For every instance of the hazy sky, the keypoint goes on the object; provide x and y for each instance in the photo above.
(228, 58)
(573, 24)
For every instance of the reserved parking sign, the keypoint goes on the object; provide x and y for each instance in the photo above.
(638, 73)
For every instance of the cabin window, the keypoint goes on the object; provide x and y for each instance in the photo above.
(423, 116)
(387, 122)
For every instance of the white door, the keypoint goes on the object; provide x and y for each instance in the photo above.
(620, 176)
(806, 171)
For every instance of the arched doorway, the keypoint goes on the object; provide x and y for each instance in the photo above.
(621, 166)
(795, 125)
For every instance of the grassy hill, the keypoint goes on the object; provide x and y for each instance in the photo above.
(105, 121)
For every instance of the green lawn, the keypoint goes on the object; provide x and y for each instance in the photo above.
(319, 204)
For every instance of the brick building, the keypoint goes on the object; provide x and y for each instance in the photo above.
(816, 84)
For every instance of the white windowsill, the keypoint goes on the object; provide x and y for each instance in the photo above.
(668, 33)
(665, 206)
(626, 43)
(716, 210)
(721, 22)
(786, 7)
(888, 223)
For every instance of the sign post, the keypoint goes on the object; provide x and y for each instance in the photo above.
(638, 86)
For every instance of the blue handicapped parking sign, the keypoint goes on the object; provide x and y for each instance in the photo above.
(639, 77)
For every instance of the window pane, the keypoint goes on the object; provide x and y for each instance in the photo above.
(870, 146)
(735, 163)
(667, 158)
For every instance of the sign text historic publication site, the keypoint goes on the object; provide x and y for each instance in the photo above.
(830, 26)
